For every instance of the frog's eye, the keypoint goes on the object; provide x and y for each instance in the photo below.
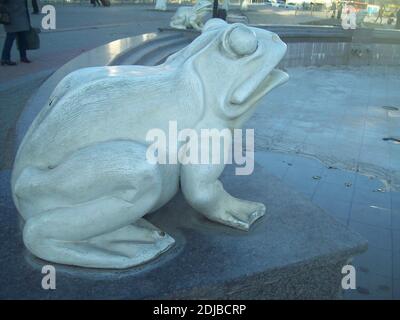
(240, 41)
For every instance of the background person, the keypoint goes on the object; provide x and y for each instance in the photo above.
(391, 19)
(398, 19)
(339, 12)
(333, 8)
(380, 14)
(20, 22)
(95, 2)
(35, 7)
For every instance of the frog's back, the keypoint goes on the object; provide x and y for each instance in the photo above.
(96, 105)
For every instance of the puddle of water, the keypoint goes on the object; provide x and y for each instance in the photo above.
(392, 139)
(390, 108)
(384, 184)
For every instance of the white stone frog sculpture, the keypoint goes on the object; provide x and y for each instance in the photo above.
(190, 17)
(81, 179)
(161, 5)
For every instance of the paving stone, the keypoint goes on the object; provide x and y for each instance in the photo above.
(370, 287)
(375, 261)
(371, 197)
(334, 192)
(372, 215)
(378, 237)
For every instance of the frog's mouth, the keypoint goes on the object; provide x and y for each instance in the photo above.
(256, 87)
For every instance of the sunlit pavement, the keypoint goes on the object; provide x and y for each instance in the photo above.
(262, 14)
(81, 28)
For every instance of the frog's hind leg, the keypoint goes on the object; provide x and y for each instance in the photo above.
(97, 196)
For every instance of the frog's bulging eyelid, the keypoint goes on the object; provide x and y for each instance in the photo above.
(231, 54)
(233, 48)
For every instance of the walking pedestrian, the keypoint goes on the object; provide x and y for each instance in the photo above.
(380, 14)
(398, 19)
(340, 10)
(95, 3)
(333, 8)
(35, 7)
(20, 22)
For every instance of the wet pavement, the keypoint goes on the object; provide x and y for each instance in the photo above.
(337, 115)
(352, 199)
(322, 134)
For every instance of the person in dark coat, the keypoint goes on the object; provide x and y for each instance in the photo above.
(20, 22)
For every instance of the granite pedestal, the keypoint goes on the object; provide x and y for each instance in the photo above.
(296, 251)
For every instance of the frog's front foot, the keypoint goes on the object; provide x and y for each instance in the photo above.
(209, 197)
(178, 24)
(237, 213)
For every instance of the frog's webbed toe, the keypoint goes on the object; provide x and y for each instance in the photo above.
(136, 243)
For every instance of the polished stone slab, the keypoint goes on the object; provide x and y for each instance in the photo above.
(295, 251)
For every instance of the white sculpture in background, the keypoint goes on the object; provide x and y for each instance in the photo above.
(349, 17)
(81, 179)
(225, 5)
(161, 5)
(244, 5)
(191, 17)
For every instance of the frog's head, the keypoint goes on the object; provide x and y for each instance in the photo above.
(236, 65)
